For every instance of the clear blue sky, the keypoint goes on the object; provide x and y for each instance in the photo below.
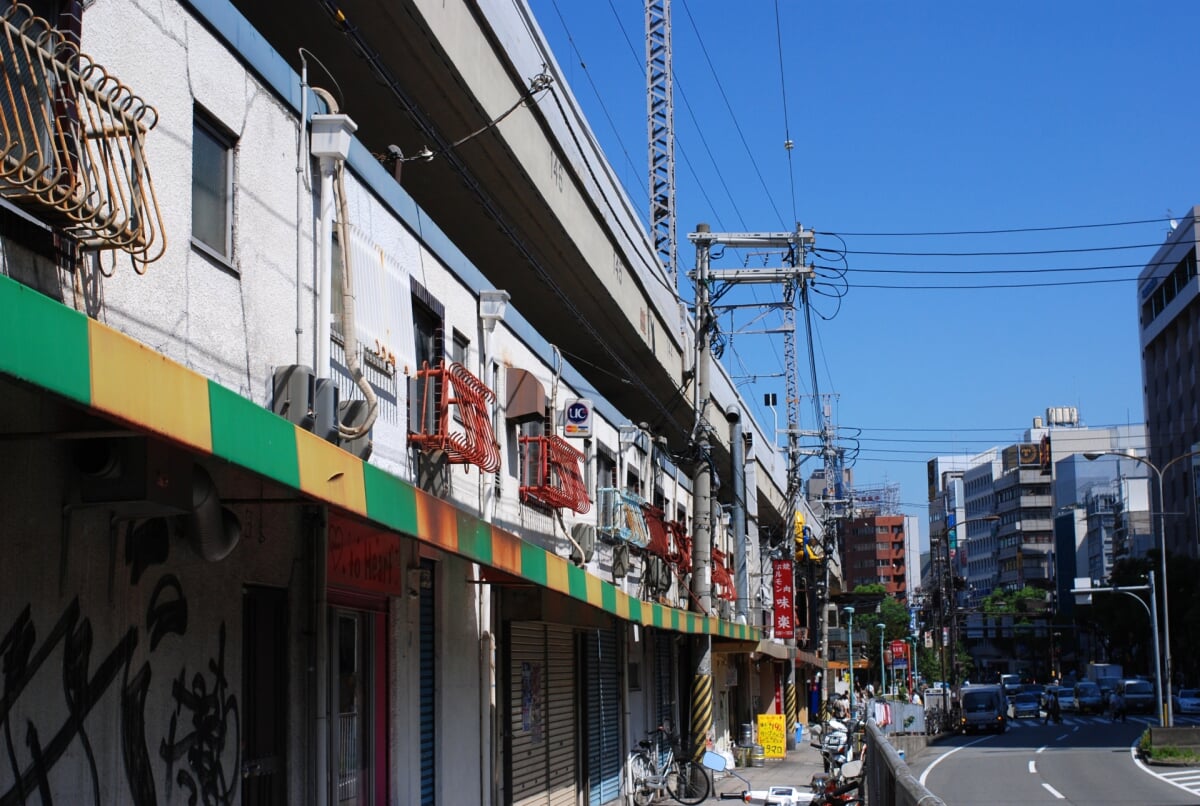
(916, 118)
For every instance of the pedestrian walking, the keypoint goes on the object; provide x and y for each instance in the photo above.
(1118, 706)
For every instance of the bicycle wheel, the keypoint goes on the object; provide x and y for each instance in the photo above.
(687, 782)
(641, 771)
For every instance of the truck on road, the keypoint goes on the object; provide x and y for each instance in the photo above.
(1105, 672)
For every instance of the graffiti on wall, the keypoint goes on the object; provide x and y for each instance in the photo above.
(199, 752)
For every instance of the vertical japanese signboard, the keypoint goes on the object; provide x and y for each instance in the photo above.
(785, 604)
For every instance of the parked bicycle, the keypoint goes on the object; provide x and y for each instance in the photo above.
(654, 770)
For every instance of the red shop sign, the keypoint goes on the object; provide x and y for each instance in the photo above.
(785, 602)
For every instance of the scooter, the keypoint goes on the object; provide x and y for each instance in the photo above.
(836, 743)
(774, 796)
(834, 790)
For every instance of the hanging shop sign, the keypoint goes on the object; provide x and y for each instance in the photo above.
(785, 604)
(577, 418)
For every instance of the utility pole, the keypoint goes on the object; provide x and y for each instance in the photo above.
(795, 245)
(701, 704)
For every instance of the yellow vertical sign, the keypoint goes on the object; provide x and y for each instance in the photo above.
(772, 731)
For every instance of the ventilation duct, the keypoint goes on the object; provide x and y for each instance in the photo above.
(135, 476)
(212, 530)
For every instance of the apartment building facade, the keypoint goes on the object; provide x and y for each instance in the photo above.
(299, 504)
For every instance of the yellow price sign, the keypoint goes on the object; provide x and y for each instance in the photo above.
(772, 735)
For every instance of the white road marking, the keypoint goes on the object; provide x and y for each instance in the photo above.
(1040, 749)
(1032, 767)
(946, 755)
(1060, 738)
(1133, 753)
(1053, 791)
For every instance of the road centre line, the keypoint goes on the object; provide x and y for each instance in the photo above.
(1053, 791)
(1032, 767)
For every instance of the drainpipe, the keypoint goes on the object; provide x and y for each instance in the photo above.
(323, 146)
(331, 143)
(737, 457)
(301, 183)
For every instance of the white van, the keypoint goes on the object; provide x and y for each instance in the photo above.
(983, 708)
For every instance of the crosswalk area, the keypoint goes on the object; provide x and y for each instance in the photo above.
(1187, 778)
(1077, 720)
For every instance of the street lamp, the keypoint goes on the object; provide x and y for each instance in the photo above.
(882, 667)
(913, 673)
(849, 611)
(950, 594)
(1128, 590)
(1162, 541)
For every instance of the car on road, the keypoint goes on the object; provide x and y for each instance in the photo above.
(1026, 704)
(1187, 701)
(1065, 696)
(1088, 698)
(1138, 696)
(1011, 683)
(983, 708)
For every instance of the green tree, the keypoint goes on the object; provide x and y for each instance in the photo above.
(892, 614)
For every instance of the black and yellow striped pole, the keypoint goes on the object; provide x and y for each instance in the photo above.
(702, 712)
(789, 702)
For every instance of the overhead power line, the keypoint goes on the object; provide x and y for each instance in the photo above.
(1076, 250)
(993, 286)
(1011, 230)
(1041, 270)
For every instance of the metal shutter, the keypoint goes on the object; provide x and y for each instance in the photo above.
(542, 723)
(428, 690)
(604, 716)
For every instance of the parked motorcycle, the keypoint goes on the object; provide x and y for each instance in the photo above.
(774, 796)
(826, 783)
(835, 740)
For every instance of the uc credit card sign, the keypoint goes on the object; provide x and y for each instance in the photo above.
(577, 417)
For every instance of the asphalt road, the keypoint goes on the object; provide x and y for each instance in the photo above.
(1084, 760)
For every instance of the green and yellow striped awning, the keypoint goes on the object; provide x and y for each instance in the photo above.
(51, 346)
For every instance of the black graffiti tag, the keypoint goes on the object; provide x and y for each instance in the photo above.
(22, 660)
(214, 728)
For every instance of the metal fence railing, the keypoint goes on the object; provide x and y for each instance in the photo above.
(902, 717)
(886, 777)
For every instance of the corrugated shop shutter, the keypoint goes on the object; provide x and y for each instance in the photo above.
(604, 716)
(428, 690)
(542, 768)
